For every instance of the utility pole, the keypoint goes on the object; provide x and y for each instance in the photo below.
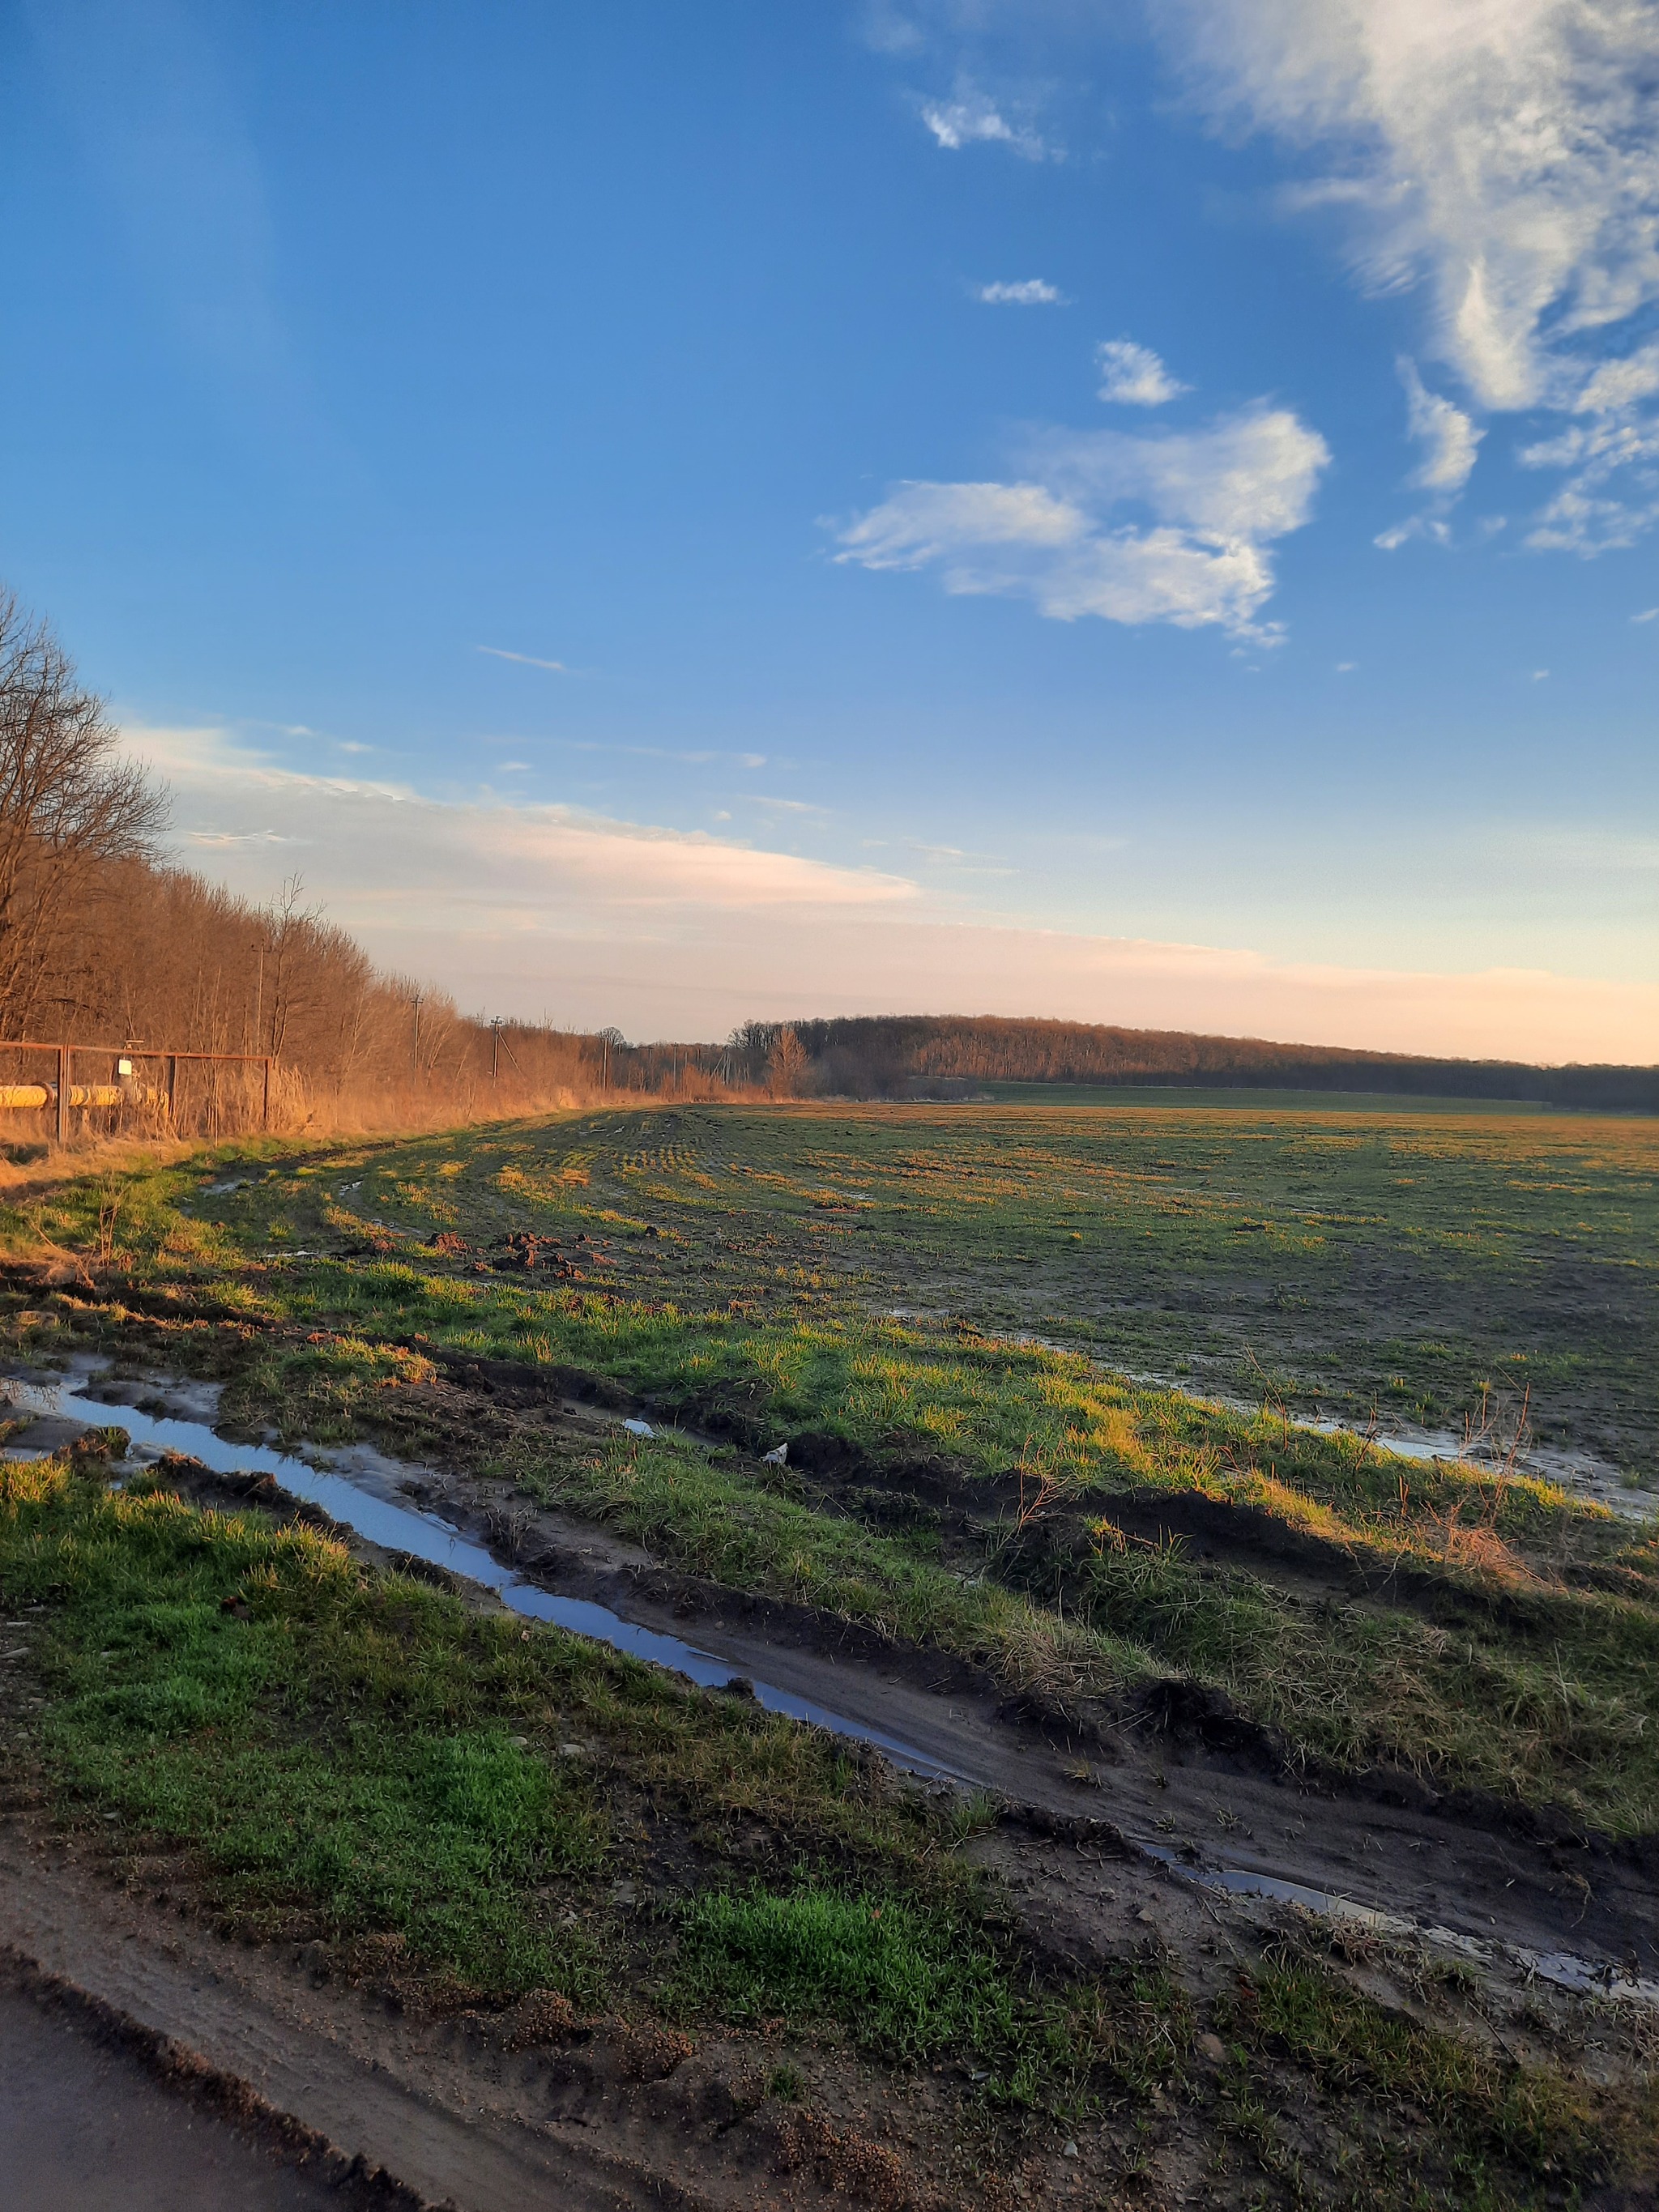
(495, 1048)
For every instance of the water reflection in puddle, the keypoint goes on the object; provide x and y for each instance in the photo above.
(1561, 1967)
(402, 1528)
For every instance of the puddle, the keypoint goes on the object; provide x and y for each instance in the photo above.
(1562, 1968)
(402, 1528)
(1580, 1473)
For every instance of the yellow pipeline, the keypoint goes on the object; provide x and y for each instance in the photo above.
(24, 1096)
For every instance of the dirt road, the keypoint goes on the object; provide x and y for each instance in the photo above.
(86, 2126)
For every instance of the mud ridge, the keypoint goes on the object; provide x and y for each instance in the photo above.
(1185, 1714)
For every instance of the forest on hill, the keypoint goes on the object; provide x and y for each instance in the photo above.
(919, 1055)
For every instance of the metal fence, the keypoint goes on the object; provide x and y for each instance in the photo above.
(139, 1079)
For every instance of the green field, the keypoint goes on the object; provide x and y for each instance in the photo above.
(1332, 1259)
(984, 1333)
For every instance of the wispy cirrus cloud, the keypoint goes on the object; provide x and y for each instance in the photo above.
(1027, 292)
(548, 909)
(1505, 156)
(1450, 441)
(1160, 528)
(524, 659)
(1134, 376)
(380, 849)
(1611, 497)
(970, 117)
(1447, 436)
(784, 805)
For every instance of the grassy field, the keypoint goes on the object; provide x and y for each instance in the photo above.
(949, 1315)
(1420, 1266)
(895, 1290)
(1399, 1259)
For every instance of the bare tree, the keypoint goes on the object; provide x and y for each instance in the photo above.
(786, 1065)
(70, 807)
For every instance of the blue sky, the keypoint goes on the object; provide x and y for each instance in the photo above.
(662, 515)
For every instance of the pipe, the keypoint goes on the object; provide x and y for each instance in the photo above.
(23, 1096)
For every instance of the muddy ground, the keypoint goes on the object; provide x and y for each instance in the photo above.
(1115, 1827)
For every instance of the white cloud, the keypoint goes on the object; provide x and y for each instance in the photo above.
(972, 120)
(1202, 507)
(1431, 526)
(1576, 521)
(527, 660)
(382, 850)
(1648, 614)
(1506, 152)
(1618, 384)
(1028, 292)
(1583, 517)
(924, 522)
(1449, 439)
(1134, 376)
(1503, 147)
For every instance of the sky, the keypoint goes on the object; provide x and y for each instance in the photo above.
(662, 516)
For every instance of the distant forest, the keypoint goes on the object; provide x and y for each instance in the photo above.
(104, 943)
(946, 1055)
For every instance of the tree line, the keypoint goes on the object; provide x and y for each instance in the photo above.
(105, 942)
(952, 1057)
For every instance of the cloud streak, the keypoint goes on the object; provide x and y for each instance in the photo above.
(524, 659)
(383, 847)
(972, 120)
(546, 909)
(1450, 441)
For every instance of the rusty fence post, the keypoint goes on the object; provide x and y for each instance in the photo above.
(173, 1093)
(63, 1093)
(264, 1102)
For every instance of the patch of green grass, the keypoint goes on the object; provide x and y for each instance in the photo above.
(1423, 1261)
(911, 1981)
(1560, 1714)
(1490, 2116)
(915, 1980)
